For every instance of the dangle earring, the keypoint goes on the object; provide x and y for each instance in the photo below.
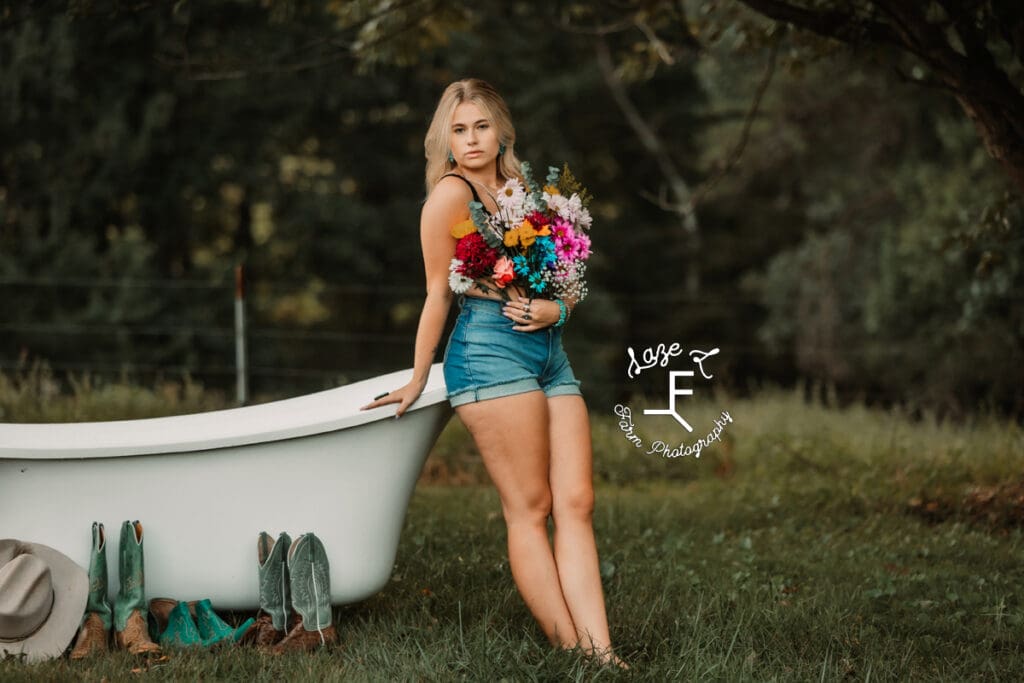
(451, 158)
(501, 148)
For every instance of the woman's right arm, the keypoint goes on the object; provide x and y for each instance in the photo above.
(446, 205)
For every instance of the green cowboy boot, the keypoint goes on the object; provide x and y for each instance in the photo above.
(272, 621)
(130, 628)
(160, 613)
(181, 630)
(215, 630)
(309, 578)
(95, 630)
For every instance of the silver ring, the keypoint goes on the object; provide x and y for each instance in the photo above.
(526, 316)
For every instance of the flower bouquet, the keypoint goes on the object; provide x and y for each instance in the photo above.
(537, 239)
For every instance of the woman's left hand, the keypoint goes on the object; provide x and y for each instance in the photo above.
(531, 315)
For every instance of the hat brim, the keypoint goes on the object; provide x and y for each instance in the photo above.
(70, 593)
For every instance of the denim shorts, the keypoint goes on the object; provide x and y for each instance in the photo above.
(485, 358)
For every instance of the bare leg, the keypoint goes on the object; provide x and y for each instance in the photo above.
(512, 435)
(572, 490)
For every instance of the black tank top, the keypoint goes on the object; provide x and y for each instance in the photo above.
(471, 189)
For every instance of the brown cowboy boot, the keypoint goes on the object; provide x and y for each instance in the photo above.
(301, 640)
(309, 580)
(132, 633)
(274, 619)
(92, 638)
(95, 630)
(263, 634)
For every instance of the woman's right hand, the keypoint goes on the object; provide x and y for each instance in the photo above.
(404, 396)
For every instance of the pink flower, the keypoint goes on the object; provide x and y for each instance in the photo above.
(566, 250)
(561, 230)
(503, 271)
(583, 246)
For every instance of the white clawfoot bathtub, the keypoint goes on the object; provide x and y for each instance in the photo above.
(204, 485)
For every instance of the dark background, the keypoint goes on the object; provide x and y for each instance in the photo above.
(851, 229)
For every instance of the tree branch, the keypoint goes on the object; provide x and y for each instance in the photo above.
(979, 80)
(681, 203)
(737, 151)
(648, 138)
(343, 51)
(827, 23)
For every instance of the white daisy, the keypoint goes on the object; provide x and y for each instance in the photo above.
(511, 194)
(458, 282)
(585, 219)
(563, 206)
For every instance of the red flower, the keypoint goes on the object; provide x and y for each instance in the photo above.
(538, 220)
(478, 259)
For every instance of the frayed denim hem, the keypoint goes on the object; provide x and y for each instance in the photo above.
(564, 389)
(495, 390)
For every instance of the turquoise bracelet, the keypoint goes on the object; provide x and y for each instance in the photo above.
(562, 313)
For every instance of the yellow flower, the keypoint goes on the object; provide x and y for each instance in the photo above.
(460, 230)
(527, 234)
(551, 189)
(544, 231)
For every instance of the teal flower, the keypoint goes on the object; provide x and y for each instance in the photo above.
(546, 255)
(521, 266)
(537, 282)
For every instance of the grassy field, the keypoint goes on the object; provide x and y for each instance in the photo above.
(812, 543)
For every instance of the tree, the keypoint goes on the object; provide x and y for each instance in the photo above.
(973, 49)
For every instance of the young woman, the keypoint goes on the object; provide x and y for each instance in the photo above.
(509, 380)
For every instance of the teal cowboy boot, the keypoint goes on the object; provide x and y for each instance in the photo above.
(214, 630)
(131, 632)
(95, 630)
(273, 619)
(309, 578)
(181, 630)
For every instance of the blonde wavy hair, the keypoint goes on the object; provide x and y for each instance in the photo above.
(481, 93)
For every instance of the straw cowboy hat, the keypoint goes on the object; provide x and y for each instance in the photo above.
(42, 599)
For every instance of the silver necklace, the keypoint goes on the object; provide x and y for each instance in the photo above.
(485, 189)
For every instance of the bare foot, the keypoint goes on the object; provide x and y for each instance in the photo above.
(616, 660)
(607, 657)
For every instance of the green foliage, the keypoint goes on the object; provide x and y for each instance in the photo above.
(479, 216)
(569, 185)
(146, 151)
(906, 299)
(35, 394)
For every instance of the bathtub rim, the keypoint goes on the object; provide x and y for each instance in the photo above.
(240, 426)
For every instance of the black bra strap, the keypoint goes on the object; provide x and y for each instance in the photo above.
(466, 180)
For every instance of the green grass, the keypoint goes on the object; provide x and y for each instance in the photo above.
(799, 549)
(36, 394)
